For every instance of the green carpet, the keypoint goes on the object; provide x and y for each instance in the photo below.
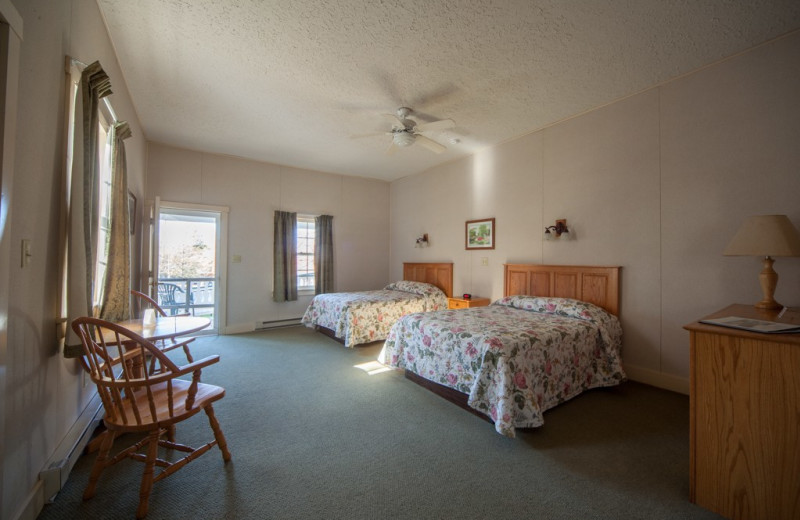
(312, 436)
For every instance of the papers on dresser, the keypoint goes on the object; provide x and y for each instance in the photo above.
(767, 327)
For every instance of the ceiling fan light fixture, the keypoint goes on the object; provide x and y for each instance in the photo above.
(404, 139)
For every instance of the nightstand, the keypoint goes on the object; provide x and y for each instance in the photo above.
(461, 303)
(743, 432)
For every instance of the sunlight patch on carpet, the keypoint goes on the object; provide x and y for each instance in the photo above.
(372, 367)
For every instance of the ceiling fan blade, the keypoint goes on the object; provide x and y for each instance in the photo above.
(430, 144)
(392, 148)
(442, 124)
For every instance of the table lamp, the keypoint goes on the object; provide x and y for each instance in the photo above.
(766, 236)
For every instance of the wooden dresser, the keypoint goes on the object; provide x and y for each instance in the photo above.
(461, 303)
(745, 418)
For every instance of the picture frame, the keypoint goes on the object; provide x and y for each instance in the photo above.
(132, 212)
(480, 234)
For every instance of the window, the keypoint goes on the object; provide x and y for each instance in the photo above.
(305, 252)
(104, 201)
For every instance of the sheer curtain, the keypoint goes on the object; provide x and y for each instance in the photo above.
(323, 254)
(115, 302)
(285, 257)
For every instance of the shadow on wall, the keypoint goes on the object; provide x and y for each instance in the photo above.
(30, 388)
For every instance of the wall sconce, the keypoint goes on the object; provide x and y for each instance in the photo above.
(422, 241)
(560, 230)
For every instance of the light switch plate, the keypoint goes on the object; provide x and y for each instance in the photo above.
(26, 255)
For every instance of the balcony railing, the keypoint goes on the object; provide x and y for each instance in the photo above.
(195, 296)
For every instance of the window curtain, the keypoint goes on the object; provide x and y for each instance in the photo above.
(285, 257)
(95, 85)
(115, 302)
(323, 254)
(87, 86)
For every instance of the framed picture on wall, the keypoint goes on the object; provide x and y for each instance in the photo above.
(132, 211)
(481, 234)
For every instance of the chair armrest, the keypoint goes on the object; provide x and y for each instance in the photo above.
(196, 365)
(166, 347)
(195, 369)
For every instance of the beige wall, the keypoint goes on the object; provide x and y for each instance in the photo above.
(253, 191)
(657, 183)
(43, 393)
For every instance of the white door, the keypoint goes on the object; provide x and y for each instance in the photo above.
(188, 251)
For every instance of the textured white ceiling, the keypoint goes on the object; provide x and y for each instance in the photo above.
(289, 82)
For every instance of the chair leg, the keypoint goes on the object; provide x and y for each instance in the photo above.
(223, 445)
(171, 433)
(188, 354)
(100, 463)
(147, 476)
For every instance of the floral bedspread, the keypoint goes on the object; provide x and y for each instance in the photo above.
(365, 316)
(516, 358)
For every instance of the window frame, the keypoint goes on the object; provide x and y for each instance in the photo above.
(105, 179)
(309, 220)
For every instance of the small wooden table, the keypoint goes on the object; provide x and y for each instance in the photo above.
(165, 327)
(461, 303)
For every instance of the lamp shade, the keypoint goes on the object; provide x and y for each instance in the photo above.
(765, 235)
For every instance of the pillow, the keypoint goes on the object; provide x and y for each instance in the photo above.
(561, 306)
(421, 288)
(607, 324)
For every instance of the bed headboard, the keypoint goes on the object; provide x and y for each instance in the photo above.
(438, 274)
(593, 284)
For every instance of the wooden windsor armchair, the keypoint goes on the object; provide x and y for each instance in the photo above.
(165, 345)
(137, 401)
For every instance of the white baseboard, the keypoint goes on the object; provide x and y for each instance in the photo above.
(56, 471)
(658, 379)
(239, 328)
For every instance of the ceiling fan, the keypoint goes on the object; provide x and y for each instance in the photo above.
(406, 131)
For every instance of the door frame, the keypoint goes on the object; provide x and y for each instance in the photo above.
(10, 53)
(150, 271)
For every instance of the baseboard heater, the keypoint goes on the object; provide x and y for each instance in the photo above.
(55, 474)
(274, 324)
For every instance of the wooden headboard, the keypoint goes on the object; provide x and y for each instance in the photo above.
(593, 284)
(438, 274)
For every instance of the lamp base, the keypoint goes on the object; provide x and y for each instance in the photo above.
(769, 280)
(768, 305)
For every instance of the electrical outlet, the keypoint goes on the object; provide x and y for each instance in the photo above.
(237, 259)
(484, 260)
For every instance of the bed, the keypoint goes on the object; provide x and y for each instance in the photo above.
(362, 317)
(554, 335)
